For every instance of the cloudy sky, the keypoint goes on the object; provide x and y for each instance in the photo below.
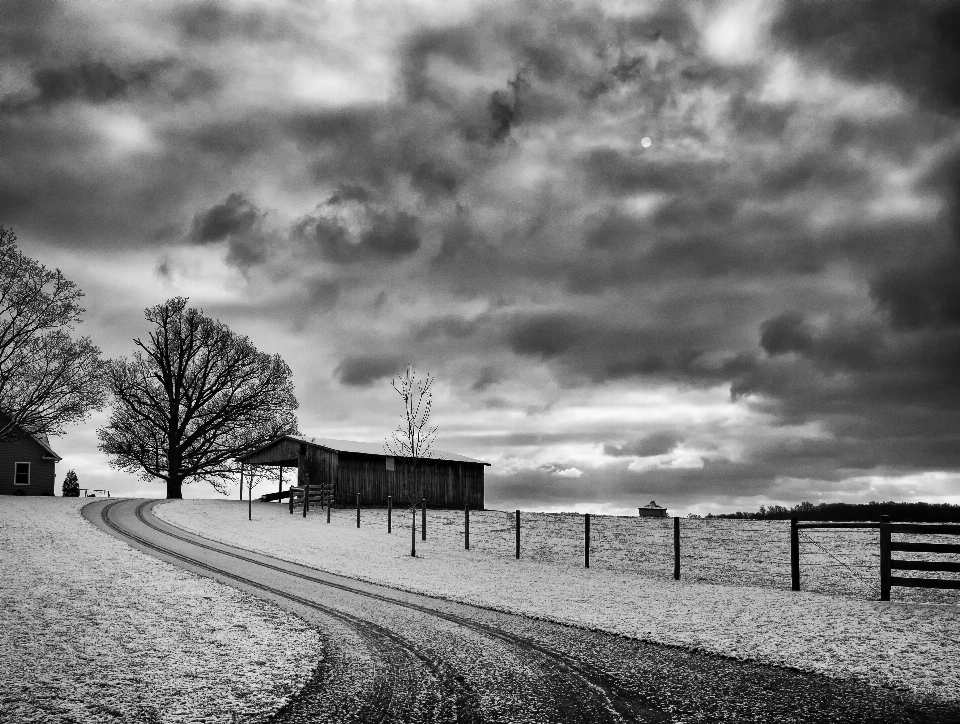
(758, 305)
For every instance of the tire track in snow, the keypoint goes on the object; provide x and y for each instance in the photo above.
(575, 690)
(395, 656)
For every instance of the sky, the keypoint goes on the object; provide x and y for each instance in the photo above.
(756, 305)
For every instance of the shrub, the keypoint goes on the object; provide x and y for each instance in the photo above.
(71, 485)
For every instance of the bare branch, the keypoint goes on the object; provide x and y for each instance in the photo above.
(48, 380)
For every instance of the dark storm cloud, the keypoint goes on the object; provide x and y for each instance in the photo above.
(786, 333)
(101, 82)
(915, 46)
(385, 235)
(324, 293)
(788, 249)
(364, 370)
(236, 215)
(602, 350)
(488, 376)
(237, 221)
(94, 82)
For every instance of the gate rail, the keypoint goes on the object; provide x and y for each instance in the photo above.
(887, 563)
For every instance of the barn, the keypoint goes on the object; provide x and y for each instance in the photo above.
(27, 465)
(342, 468)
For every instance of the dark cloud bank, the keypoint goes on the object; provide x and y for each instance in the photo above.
(506, 171)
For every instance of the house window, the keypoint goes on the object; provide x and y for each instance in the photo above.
(389, 463)
(22, 474)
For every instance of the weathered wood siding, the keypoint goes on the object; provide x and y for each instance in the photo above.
(341, 475)
(314, 465)
(43, 473)
(283, 450)
(318, 468)
(447, 483)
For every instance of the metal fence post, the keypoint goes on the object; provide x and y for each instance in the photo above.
(884, 557)
(291, 500)
(423, 524)
(306, 498)
(466, 526)
(794, 554)
(389, 513)
(413, 532)
(586, 540)
(676, 548)
(518, 534)
(358, 510)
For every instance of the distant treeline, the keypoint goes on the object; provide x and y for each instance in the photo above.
(919, 512)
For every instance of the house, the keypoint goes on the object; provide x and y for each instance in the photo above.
(652, 510)
(27, 464)
(342, 468)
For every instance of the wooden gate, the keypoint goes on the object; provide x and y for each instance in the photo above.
(887, 563)
(886, 546)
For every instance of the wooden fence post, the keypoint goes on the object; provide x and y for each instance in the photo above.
(676, 548)
(389, 513)
(586, 540)
(518, 534)
(291, 500)
(306, 497)
(794, 555)
(329, 505)
(466, 526)
(413, 532)
(884, 557)
(423, 525)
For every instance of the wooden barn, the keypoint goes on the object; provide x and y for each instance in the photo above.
(27, 465)
(341, 469)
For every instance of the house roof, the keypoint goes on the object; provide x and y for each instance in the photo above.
(365, 448)
(653, 506)
(41, 440)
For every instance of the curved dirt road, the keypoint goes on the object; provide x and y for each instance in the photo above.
(391, 656)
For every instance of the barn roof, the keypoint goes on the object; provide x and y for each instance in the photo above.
(365, 448)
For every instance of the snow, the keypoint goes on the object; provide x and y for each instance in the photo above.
(95, 631)
(901, 644)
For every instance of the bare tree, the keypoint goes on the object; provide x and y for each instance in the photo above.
(193, 399)
(48, 380)
(412, 441)
(250, 477)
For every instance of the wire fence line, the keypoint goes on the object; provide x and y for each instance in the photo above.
(721, 551)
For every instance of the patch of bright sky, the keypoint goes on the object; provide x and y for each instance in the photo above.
(931, 487)
(124, 134)
(737, 30)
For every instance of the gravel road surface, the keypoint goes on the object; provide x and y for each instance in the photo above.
(391, 656)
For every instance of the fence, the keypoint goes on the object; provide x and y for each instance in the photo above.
(838, 558)
(886, 545)
(886, 563)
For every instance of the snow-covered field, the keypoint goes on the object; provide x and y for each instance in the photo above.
(93, 631)
(725, 551)
(901, 644)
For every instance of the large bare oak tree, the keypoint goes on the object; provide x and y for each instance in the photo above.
(192, 399)
(48, 379)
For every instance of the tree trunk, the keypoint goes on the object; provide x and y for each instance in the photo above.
(174, 488)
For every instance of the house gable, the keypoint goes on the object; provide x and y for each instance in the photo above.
(42, 465)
